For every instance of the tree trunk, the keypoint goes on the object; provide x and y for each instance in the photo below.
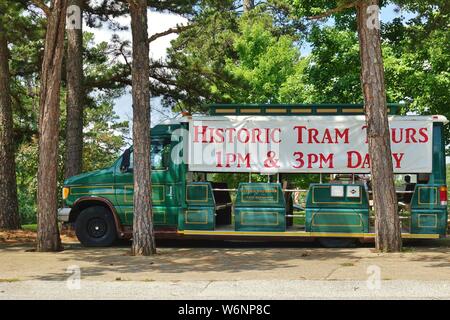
(48, 238)
(387, 225)
(75, 93)
(9, 210)
(248, 5)
(143, 236)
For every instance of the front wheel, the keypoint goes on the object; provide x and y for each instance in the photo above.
(338, 242)
(95, 227)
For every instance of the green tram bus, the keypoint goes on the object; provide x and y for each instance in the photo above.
(337, 212)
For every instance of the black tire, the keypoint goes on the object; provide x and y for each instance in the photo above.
(95, 227)
(338, 242)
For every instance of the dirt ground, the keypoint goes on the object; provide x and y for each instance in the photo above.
(219, 260)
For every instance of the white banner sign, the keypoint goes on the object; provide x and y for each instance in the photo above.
(328, 144)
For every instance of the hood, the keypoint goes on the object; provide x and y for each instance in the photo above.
(92, 177)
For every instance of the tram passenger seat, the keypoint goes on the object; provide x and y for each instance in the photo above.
(408, 187)
(223, 203)
(289, 204)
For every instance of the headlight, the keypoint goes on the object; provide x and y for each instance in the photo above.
(66, 192)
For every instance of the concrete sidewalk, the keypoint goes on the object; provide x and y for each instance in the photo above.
(245, 289)
(221, 270)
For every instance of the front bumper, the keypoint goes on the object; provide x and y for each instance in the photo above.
(64, 214)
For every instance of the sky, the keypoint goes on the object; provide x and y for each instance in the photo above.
(159, 22)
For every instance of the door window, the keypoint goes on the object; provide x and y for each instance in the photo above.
(159, 155)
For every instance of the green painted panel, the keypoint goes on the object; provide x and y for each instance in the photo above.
(426, 196)
(339, 220)
(199, 194)
(251, 195)
(200, 213)
(352, 196)
(438, 175)
(429, 221)
(160, 194)
(167, 216)
(197, 218)
(260, 219)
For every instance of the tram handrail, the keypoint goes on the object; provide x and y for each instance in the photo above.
(284, 190)
(298, 190)
(399, 191)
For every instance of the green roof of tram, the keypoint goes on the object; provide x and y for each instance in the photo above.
(295, 109)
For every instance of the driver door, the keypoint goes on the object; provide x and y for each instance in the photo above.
(124, 184)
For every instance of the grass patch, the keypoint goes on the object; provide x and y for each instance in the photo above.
(29, 227)
(9, 280)
(299, 220)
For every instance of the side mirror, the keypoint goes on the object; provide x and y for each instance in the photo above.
(125, 165)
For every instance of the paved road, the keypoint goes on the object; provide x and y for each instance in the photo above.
(253, 289)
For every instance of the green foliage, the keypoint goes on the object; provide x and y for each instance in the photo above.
(227, 57)
(263, 61)
(26, 173)
(103, 136)
(197, 60)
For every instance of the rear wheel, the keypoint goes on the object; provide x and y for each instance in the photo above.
(338, 242)
(95, 227)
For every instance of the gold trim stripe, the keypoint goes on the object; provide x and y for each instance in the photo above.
(130, 186)
(127, 212)
(225, 110)
(305, 110)
(337, 225)
(271, 110)
(300, 234)
(435, 196)
(427, 214)
(347, 110)
(250, 110)
(93, 187)
(318, 110)
(186, 220)
(206, 198)
(259, 212)
(164, 211)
